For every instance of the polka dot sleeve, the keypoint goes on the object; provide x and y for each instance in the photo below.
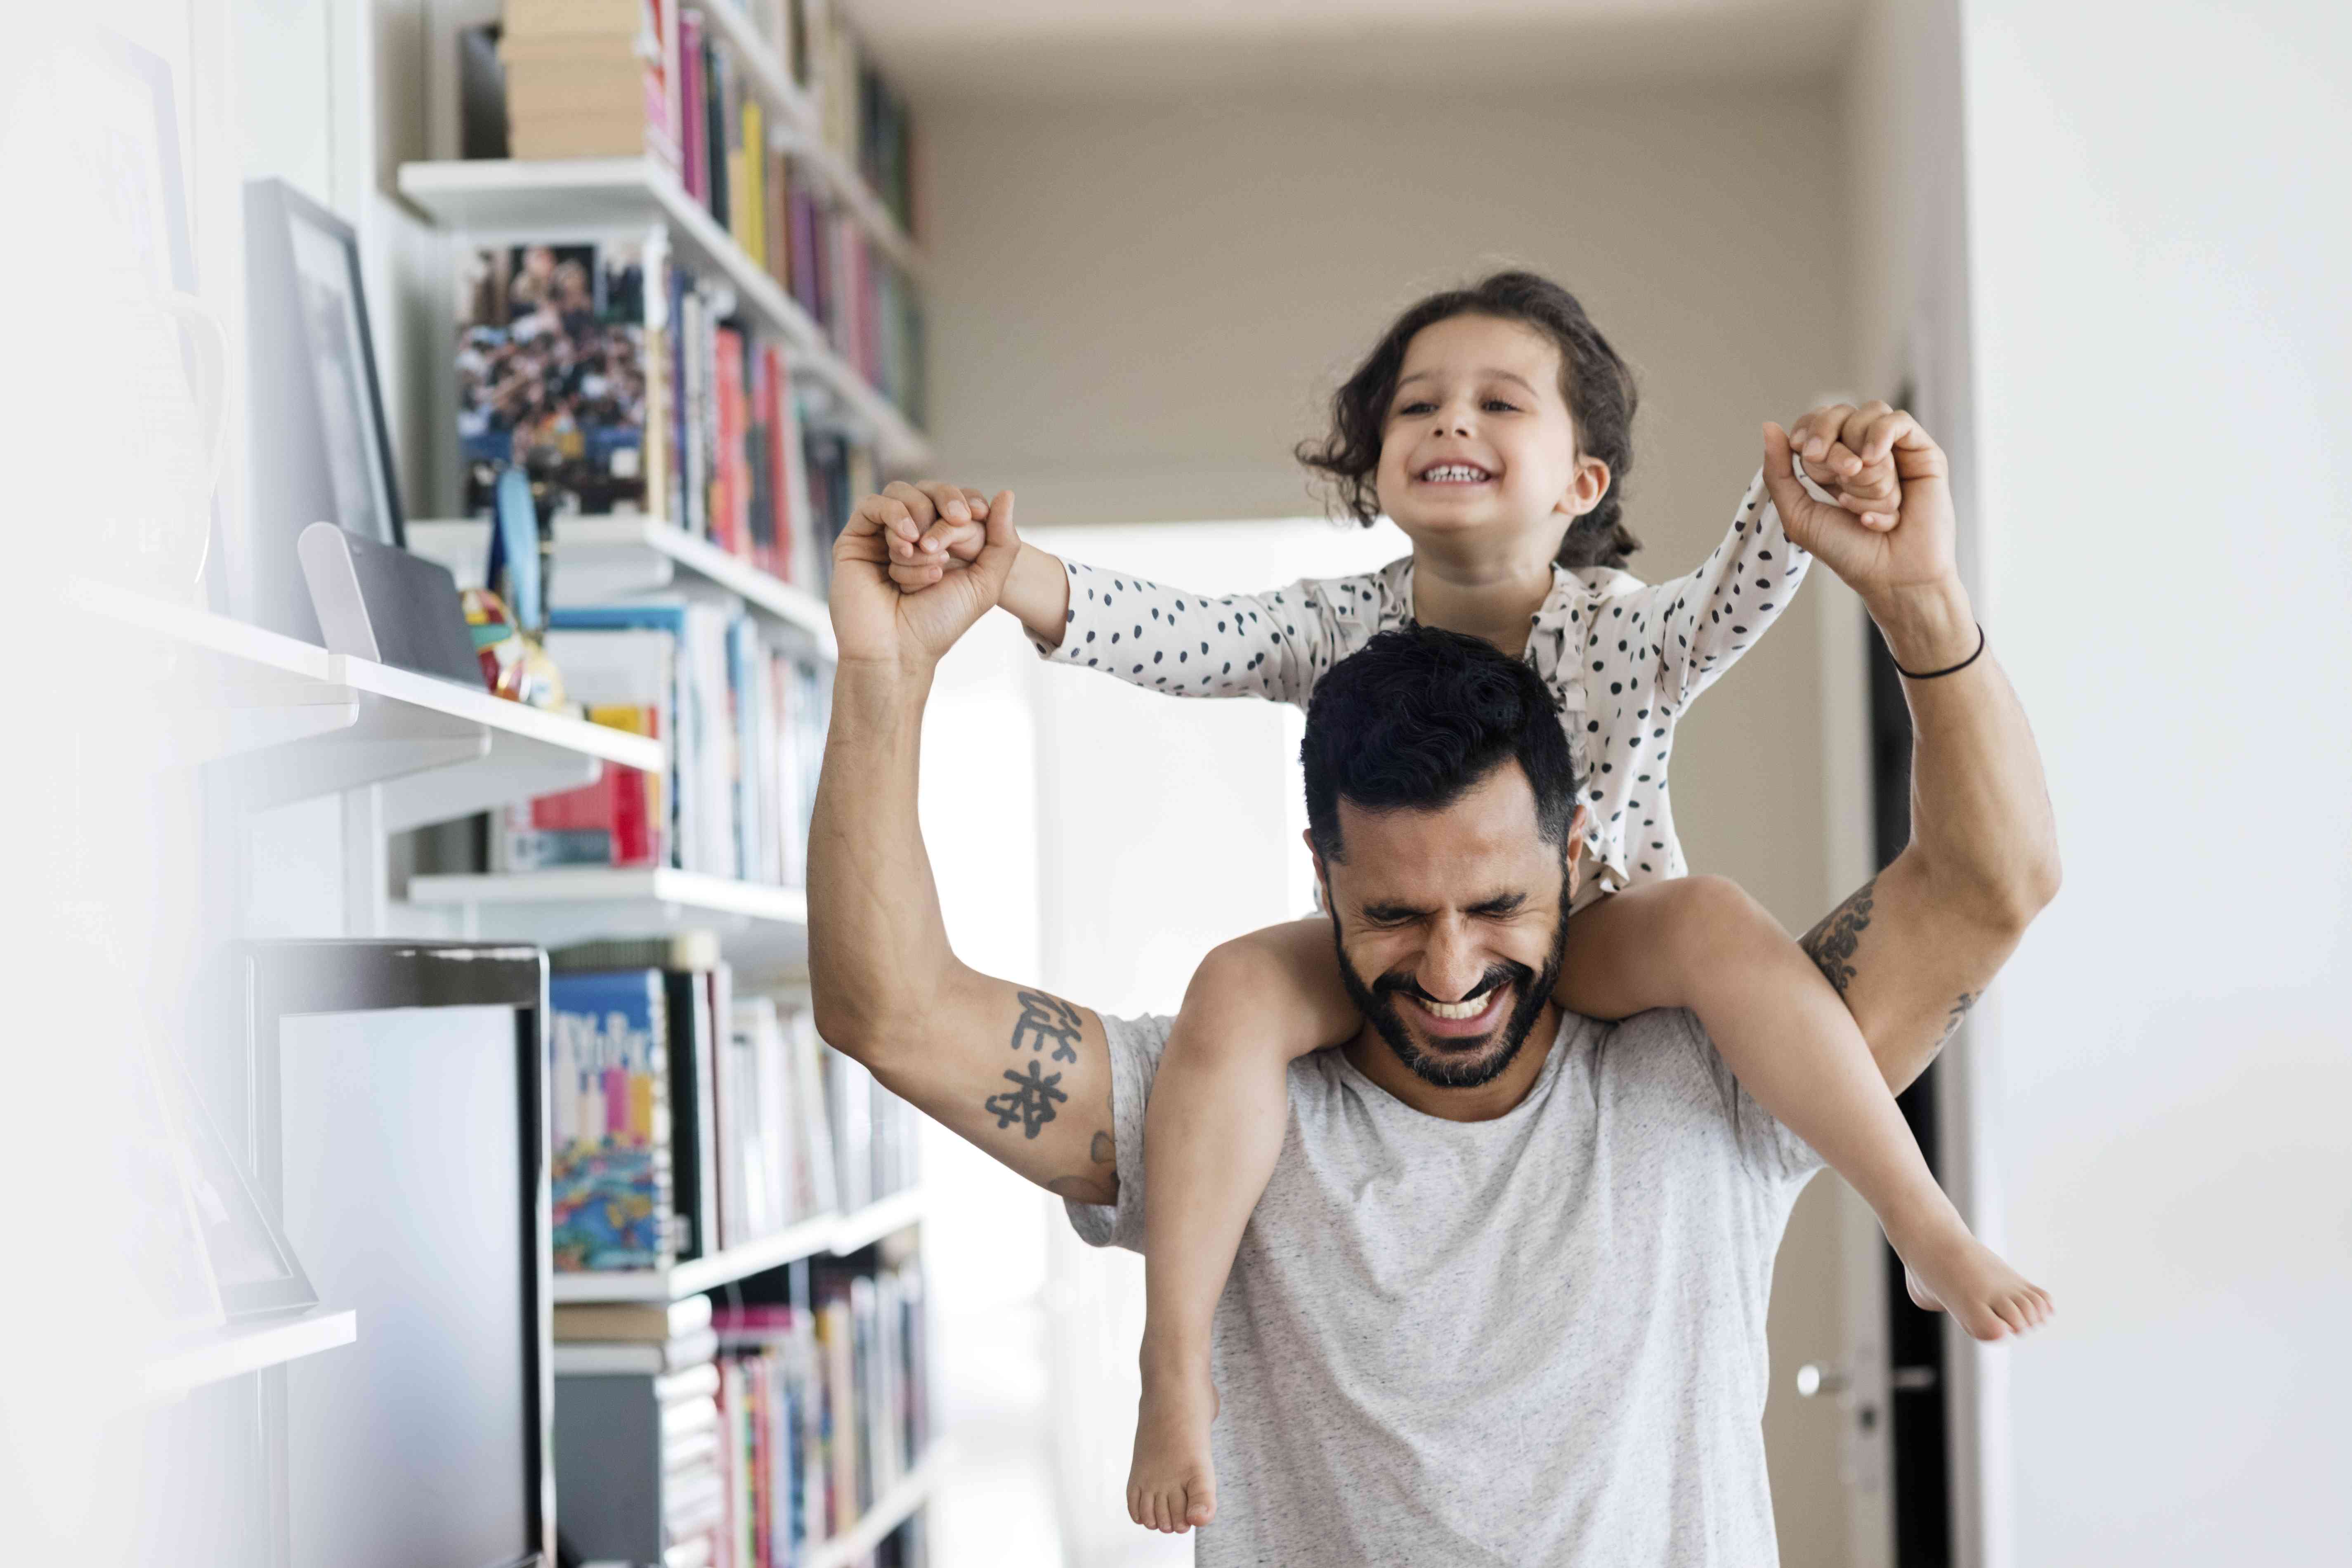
(1274, 645)
(1703, 621)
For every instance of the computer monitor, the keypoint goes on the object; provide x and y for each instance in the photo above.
(400, 1131)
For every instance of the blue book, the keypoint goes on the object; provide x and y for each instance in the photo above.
(609, 1112)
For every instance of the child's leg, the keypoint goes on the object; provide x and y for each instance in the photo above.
(1702, 942)
(1213, 1130)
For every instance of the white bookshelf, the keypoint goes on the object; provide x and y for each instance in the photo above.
(240, 1348)
(552, 197)
(600, 559)
(890, 1510)
(762, 929)
(295, 721)
(824, 1236)
(608, 559)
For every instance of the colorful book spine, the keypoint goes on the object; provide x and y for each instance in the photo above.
(610, 1176)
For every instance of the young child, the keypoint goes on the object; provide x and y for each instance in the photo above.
(1492, 424)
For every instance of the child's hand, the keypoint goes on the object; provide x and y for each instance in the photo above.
(933, 528)
(1862, 478)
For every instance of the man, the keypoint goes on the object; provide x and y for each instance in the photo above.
(1504, 1316)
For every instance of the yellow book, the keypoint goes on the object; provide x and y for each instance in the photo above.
(751, 229)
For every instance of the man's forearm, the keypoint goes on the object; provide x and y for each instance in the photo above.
(1981, 827)
(878, 949)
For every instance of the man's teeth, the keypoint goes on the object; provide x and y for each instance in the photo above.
(1469, 1009)
(1453, 473)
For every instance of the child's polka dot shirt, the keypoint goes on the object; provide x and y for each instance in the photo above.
(1625, 658)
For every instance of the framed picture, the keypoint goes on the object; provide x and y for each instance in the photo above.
(322, 448)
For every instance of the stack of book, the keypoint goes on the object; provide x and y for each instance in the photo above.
(589, 79)
(636, 1393)
(689, 1121)
(821, 1411)
(745, 722)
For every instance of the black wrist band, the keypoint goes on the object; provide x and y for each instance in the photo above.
(1953, 669)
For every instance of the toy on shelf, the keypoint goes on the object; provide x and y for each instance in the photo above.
(509, 618)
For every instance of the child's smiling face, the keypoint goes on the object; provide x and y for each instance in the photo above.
(1479, 446)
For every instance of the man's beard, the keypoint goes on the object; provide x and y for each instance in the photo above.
(1474, 1062)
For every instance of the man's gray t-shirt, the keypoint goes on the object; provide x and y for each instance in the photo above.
(1533, 1340)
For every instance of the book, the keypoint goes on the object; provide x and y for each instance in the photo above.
(614, 1321)
(699, 991)
(609, 1176)
(680, 1389)
(613, 822)
(821, 1411)
(581, 18)
(688, 1412)
(578, 1359)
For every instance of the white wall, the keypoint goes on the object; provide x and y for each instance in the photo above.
(1137, 308)
(2164, 388)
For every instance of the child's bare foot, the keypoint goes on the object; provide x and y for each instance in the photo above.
(1171, 1486)
(1949, 1270)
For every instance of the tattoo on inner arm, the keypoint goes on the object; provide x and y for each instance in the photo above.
(1959, 1014)
(1045, 1018)
(1030, 1100)
(1831, 944)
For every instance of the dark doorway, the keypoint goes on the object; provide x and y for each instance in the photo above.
(1916, 1381)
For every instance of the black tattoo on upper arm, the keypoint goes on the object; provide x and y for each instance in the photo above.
(1030, 1100)
(1959, 1014)
(1831, 944)
(1045, 1018)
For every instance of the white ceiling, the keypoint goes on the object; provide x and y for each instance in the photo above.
(1105, 47)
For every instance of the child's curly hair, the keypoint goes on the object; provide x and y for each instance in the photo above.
(1596, 383)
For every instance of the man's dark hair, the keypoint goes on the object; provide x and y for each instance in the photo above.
(1595, 379)
(1415, 718)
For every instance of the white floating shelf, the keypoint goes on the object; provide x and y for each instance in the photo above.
(794, 123)
(833, 1235)
(762, 928)
(600, 559)
(890, 1510)
(551, 198)
(242, 1348)
(293, 722)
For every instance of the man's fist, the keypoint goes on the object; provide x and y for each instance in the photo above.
(1888, 526)
(886, 603)
(930, 528)
(1847, 452)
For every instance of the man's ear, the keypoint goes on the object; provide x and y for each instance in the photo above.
(1585, 488)
(1322, 872)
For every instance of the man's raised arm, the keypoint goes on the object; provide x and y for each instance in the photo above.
(1912, 949)
(1022, 1074)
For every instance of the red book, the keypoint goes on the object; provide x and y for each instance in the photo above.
(776, 549)
(612, 822)
(730, 508)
